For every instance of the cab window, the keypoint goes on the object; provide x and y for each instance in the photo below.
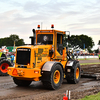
(45, 39)
(60, 43)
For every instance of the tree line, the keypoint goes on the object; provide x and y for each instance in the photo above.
(74, 41)
(9, 41)
(80, 42)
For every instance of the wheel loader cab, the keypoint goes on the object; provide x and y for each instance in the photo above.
(51, 37)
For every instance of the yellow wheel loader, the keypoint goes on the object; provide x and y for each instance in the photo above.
(45, 59)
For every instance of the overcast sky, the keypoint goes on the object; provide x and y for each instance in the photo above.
(77, 16)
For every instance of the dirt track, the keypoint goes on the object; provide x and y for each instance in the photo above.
(9, 91)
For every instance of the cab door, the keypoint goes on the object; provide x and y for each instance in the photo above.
(58, 45)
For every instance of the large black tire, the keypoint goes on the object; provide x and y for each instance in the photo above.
(54, 78)
(21, 82)
(74, 76)
(4, 64)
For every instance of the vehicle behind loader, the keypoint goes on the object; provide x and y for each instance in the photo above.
(46, 60)
(4, 64)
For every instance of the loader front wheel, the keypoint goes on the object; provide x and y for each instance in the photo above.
(21, 82)
(55, 78)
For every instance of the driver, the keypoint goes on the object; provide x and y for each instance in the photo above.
(47, 40)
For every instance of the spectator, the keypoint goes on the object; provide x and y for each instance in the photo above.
(99, 56)
(12, 58)
(72, 55)
(76, 55)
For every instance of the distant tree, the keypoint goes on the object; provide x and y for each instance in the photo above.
(96, 51)
(20, 42)
(4, 41)
(81, 41)
(65, 40)
(75, 41)
(9, 41)
(90, 51)
(17, 40)
(99, 42)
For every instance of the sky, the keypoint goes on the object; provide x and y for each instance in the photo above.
(77, 16)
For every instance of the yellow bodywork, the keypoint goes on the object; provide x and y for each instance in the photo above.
(22, 73)
(39, 56)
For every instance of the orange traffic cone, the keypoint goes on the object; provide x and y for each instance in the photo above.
(65, 97)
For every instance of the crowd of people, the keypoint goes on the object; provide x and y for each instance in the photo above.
(75, 55)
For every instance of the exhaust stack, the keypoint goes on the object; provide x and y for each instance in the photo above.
(33, 38)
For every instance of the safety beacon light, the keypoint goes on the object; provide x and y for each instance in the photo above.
(52, 26)
(38, 26)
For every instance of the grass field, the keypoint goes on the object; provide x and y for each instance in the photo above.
(89, 63)
(89, 59)
(92, 97)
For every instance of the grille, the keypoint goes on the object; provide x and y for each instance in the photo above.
(23, 56)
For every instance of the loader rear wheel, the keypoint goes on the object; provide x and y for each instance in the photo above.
(21, 82)
(4, 64)
(55, 78)
(74, 76)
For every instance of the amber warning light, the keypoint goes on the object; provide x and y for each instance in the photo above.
(52, 26)
(38, 26)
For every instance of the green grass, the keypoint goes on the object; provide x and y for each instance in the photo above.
(89, 59)
(92, 97)
(89, 63)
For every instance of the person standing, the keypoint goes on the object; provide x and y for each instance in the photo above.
(2, 55)
(76, 56)
(12, 59)
(72, 55)
(99, 56)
